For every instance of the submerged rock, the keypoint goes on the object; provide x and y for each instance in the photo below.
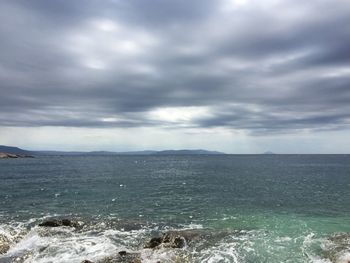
(122, 225)
(16, 258)
(59, 222)
(129, 225)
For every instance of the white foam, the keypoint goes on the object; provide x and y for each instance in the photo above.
(62, 245)
(12, 232)
(344, 257)
(191, 226)
(224, 252)
(162, 255)
(319, 260)
(338, 251)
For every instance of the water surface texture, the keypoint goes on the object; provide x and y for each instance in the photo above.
(249, 208)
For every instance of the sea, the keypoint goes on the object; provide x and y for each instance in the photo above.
(238, 208)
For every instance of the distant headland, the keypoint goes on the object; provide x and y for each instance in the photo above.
(15, 152)
(11, 155)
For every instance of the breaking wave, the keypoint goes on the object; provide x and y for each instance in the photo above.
(100, 241)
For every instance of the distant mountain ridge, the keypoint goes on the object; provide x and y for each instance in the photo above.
(181, 152)
(16, 150)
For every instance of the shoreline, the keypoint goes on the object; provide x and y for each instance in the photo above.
(55, 238)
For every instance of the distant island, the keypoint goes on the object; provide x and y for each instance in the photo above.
(15, 152)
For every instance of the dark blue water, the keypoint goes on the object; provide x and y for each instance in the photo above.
(291, 198)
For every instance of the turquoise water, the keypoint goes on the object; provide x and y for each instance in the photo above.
(272, 208)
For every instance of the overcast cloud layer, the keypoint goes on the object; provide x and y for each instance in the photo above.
(259, 67)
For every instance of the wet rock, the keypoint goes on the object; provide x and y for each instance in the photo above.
(4, 244)
(340, 238)
(179, 242)
(123, 257)
(172, 239)
(177, 239)
(59, 222)
(183, 238)
(154, 242)
(337, 250)
(4, 248)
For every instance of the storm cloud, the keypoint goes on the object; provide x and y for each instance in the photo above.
(257, 66)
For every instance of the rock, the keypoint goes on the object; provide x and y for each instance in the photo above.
(179, 242)
(86, 261)
(123, 257)
(155, 242)
(59, 222)
(11, 155)
(183, 238)
(176, 239)
(171, 239)
(338, 250)
(4, 244)
(4, 248)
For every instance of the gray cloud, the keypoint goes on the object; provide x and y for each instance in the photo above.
(272, 67)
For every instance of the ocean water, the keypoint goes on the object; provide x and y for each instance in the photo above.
(247, 208)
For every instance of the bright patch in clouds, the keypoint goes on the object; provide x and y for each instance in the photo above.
(105, 44)
(94, 63)
(105, 25)
(233, 5)
(179, 114)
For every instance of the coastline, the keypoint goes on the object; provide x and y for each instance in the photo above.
(4, 155)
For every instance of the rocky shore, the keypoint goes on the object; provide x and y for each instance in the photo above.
(177, 240)
(170, 239)
(158, 246)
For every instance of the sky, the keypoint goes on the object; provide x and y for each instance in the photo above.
(239, 76)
